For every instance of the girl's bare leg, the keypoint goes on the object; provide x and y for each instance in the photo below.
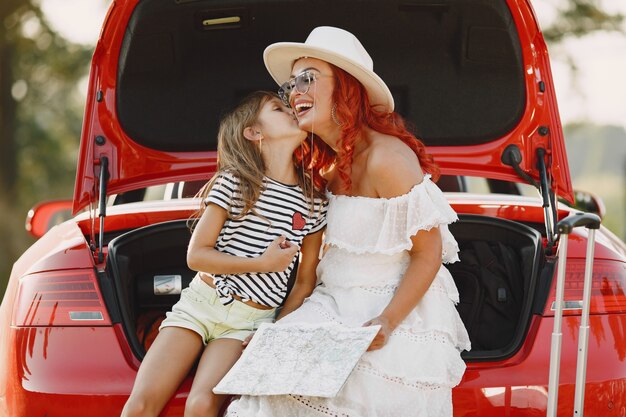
(217, 359)
(163, 369)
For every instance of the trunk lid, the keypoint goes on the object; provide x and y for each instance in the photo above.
(472, 76)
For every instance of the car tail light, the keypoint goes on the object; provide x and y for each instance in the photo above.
(608, 288)
(60, 298)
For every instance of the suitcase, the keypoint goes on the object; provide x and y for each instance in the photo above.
(564, 228)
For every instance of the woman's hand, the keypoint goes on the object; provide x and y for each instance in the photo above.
(383, 333)
(278, 255)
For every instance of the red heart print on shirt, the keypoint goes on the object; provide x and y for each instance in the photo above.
(297, 221)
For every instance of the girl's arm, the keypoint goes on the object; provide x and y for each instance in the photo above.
(306, 278)
(202, 255)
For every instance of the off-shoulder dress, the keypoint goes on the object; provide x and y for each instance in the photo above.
(367, 254)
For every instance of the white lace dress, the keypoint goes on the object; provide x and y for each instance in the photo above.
(413, 374)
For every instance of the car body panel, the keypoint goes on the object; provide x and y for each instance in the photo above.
(494, 391)
(486, 390)
(64, 246)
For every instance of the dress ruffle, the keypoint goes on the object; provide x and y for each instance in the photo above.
(436, 362)
(389, 223)
(377, 272)
(423, 349)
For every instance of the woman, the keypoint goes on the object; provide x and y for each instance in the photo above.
(386, 240)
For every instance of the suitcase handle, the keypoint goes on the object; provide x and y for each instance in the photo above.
(589, 220)
(592, 222)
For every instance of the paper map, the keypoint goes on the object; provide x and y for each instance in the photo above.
(300, 359)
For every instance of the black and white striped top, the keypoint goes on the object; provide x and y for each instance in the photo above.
(280, 210)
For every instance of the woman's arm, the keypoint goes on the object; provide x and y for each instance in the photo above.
(306, 278)
(425, 253)
(423, 267)
(202, 255)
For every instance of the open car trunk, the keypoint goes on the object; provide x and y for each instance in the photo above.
(496, 307)
(497, 276)
(457, 72)
(148, 267)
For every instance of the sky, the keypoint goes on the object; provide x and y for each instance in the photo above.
(597, 94)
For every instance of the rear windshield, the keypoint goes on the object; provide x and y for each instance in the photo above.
(454, 67)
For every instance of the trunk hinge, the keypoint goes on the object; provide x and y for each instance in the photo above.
(512, 156)
(548, 197)
(103, 163)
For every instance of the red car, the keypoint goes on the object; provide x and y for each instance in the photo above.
(472, 76)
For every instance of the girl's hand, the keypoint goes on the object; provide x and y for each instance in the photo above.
(383, 334)
(279, 255)
(247, 340)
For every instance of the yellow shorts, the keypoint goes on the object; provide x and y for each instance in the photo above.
(199, 309)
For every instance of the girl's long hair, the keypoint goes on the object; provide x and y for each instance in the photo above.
(243, 159)
(355, 113)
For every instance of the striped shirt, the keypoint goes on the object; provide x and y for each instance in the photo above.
(280, 210)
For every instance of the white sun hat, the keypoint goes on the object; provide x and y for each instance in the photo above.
(335, 46)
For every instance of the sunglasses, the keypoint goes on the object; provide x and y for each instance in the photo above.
(300, 83)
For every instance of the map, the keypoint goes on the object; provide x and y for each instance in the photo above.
(300, 359)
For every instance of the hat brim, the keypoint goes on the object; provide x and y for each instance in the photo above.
(280, 57)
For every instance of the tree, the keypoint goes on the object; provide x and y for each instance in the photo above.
(8, 174)
(598, 168)
(579, 18)
(40, 119)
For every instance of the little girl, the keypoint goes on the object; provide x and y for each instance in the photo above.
(261, 210)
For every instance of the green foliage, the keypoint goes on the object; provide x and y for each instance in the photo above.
(597, 158)
(49, 116)
(40, 132)
(579, 18)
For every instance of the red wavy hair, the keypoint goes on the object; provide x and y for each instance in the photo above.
(315, 157)
(355, 113)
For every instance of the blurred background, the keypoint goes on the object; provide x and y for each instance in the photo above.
(46, 47)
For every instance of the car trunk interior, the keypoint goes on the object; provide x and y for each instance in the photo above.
(454, 67)
(138, 260)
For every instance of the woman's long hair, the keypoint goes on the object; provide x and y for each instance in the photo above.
(243, 159)
(355, 113)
